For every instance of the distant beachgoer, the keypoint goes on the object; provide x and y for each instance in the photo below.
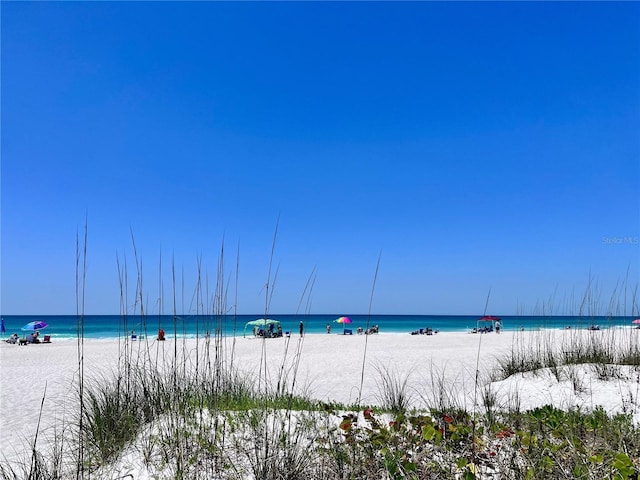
(498, 327)
(328, 328)
(301, 328)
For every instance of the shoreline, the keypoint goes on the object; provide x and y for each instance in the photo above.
(114, 326)
(152, 337)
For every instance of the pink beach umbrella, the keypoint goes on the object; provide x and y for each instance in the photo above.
(636, 321)
(343, 321)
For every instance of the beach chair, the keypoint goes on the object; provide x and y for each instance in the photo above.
(348, 331)
(46, 339)
(23, 341)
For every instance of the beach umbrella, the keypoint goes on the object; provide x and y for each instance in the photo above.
(635, 322)
(263, 321)
(343, 321)
(36, 325)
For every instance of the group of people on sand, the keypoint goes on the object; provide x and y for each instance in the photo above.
(359, 330)
(425, 331)
(489, 329)
(33, 337)
(161, 335)
(270, 332)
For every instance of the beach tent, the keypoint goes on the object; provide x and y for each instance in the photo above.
(490, 319)
(263, 324)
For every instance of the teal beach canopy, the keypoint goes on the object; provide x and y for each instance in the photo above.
(261, 322)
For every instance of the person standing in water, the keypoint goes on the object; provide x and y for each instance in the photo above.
(301, 328)
(328, 328)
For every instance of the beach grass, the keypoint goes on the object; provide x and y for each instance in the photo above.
(602, 349)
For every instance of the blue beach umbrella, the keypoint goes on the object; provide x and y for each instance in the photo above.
(36, 325)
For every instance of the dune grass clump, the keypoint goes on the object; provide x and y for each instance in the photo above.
(598, 348)
(394, 392)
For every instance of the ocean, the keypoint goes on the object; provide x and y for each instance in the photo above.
(65, 327)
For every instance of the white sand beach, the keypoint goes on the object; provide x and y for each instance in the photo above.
(42, 378)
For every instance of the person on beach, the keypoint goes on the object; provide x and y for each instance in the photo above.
(301, 328)
(13, 338)
(498, 326)
(328, 328)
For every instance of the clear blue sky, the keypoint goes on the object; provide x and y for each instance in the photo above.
(472, 146)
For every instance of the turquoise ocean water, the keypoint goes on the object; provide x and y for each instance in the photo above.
(65, 327)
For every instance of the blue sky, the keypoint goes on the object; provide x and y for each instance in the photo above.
(469, 146)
